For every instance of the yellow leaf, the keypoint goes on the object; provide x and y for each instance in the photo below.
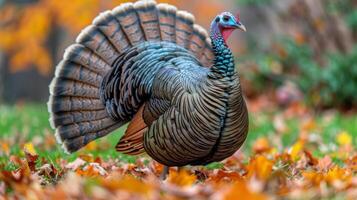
(344, 138)
(86, 157)
(260, 167)
(28, 147)
(296, 149)
(91, 146)
(181, 178)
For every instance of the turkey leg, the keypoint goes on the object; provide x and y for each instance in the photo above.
(164, 173)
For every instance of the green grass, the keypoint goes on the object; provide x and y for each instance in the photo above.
(261, 125)
(29, 123)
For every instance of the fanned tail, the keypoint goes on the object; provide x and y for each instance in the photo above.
(77, 112)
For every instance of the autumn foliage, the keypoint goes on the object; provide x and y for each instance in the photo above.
(26, 31)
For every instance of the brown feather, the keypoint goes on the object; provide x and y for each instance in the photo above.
(132, 141)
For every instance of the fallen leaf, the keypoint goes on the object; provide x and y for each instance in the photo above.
(31, 156)
(91, 146)
(324, 163)
(239, 190)
(92, 170)
(221, 175)
(337, 174)
(127, 182)
(4, 148)
(181, 178)
(86, 157)
(260, 167)
(75, 164)
(344, 138)
(296, 150)
(352, 163)
(28, 147)
(261, 145)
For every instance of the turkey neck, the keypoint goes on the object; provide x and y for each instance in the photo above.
(223, 63)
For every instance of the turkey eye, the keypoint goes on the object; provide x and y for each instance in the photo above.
(217, 19)
(225, 18)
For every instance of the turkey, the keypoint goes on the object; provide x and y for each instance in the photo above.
(150, 65)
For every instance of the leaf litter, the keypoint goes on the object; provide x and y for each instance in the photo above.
(268, 170)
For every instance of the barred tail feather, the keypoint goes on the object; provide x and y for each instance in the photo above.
(77, 113)
(92, 38)
(111, 27)
(198, 43)
(184, 28)
(76, 110)
(167, 21)
(149, 20)
(129, 21)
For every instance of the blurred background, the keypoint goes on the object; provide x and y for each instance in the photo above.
(294, 50)
(297, 64)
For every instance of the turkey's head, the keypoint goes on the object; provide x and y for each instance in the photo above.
(225, 23)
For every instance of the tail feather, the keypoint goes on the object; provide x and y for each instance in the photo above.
(65, 118)
(110, 26)
(63, 87)
(149, 20)
(198, 43)
(92, 38)
(74, 144)
(77, 111)
(167, 21)
(68, 103)
(130, 22)
(184, 28)
(72, 71)
(83, 56)
(207, 54)
(82, 128)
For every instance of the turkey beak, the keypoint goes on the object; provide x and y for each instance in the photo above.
(241, 26)
(238, 25)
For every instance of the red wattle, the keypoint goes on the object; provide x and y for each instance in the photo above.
(226, 32)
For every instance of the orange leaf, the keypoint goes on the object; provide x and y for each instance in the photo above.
(337, 173)
(88, 171)
(4, 147)
(261, 145)
(239, 190)
(181, 178)
(221, 175)
(313, 177)
(128, 183)
(260, 167)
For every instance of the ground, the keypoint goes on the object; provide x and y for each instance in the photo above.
(290, 153)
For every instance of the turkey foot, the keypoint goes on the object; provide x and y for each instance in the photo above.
(164, 173)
